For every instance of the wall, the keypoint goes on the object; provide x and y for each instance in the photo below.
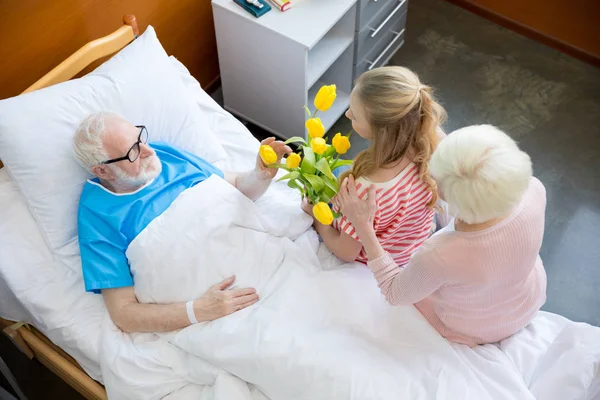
(572, 26)
(36, 35)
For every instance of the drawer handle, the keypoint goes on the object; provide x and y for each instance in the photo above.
(376, 30)
(389, 46)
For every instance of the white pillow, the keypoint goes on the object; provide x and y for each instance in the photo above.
(36, 128)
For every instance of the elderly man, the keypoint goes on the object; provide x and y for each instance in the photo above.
(135, 181)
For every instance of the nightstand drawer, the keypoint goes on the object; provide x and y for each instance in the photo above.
(382, 52)
(368, 10)
(374, 12)
(367, 38)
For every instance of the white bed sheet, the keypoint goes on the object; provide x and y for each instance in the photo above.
(555, 357)
(36, 288)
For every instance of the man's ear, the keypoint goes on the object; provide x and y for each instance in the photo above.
(103, 172)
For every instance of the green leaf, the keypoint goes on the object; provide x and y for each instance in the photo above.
(316, 182)
(323, 166)
(294, 185)
(332, 184)
(325, 197)
(341, 163)
(291, 175)
(296, 139)
(327, 194)
(308, 161)
(302, 179)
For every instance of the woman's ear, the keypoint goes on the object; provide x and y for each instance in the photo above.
(103, 172)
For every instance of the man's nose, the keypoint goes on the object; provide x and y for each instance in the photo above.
(145, 150)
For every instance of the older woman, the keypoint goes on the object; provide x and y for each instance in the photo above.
(480, 279)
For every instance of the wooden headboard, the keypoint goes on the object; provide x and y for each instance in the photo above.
(37, 35)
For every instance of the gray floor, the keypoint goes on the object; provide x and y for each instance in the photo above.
(548, 102)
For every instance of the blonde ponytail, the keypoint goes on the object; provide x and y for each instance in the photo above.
(403, 115)
(426, 141)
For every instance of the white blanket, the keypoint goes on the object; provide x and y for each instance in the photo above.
(315, 334)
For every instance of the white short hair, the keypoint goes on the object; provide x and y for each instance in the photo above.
(481, 172)
(87, 141)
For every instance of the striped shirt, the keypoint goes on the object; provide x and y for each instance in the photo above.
(402, 221)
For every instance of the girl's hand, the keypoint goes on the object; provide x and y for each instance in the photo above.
(360, 213)
(307, 207)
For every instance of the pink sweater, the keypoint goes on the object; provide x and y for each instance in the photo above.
(475, 287)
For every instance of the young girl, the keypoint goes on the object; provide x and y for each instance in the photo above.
(399, 116)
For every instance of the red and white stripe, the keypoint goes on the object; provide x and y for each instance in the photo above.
(403, 220)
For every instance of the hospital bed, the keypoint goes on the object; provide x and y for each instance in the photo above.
(75, 359)
(46, 312)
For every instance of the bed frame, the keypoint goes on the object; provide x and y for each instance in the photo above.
(26, 337)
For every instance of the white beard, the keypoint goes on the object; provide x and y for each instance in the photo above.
(150, 169)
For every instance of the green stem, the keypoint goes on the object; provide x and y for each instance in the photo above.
(304, 181)
(302, 192)
(280, 166)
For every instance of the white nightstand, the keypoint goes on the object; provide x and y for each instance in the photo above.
(271, 66)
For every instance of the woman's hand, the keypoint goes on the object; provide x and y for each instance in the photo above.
(360, 213)
(281, 149)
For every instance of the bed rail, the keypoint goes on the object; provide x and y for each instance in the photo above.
(34, 344)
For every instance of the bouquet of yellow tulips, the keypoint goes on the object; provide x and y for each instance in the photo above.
(311, 173)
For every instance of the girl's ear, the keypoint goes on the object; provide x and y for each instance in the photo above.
(103, 172)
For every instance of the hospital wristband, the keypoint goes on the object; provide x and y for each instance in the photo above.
(189, 307)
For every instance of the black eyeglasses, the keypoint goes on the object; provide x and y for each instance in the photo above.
(134, 151)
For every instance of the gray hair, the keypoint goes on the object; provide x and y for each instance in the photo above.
(87, 141)
(481, 172)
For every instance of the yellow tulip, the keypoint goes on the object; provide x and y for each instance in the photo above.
(325, 97)
(340, 143)
(267, 154)
(293, 160)
(323, 213)
(315, 128)
(318, 145)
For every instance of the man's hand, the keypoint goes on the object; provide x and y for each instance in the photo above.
(255, 182)
(132, 316)
(280, 148)
(218, 302)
